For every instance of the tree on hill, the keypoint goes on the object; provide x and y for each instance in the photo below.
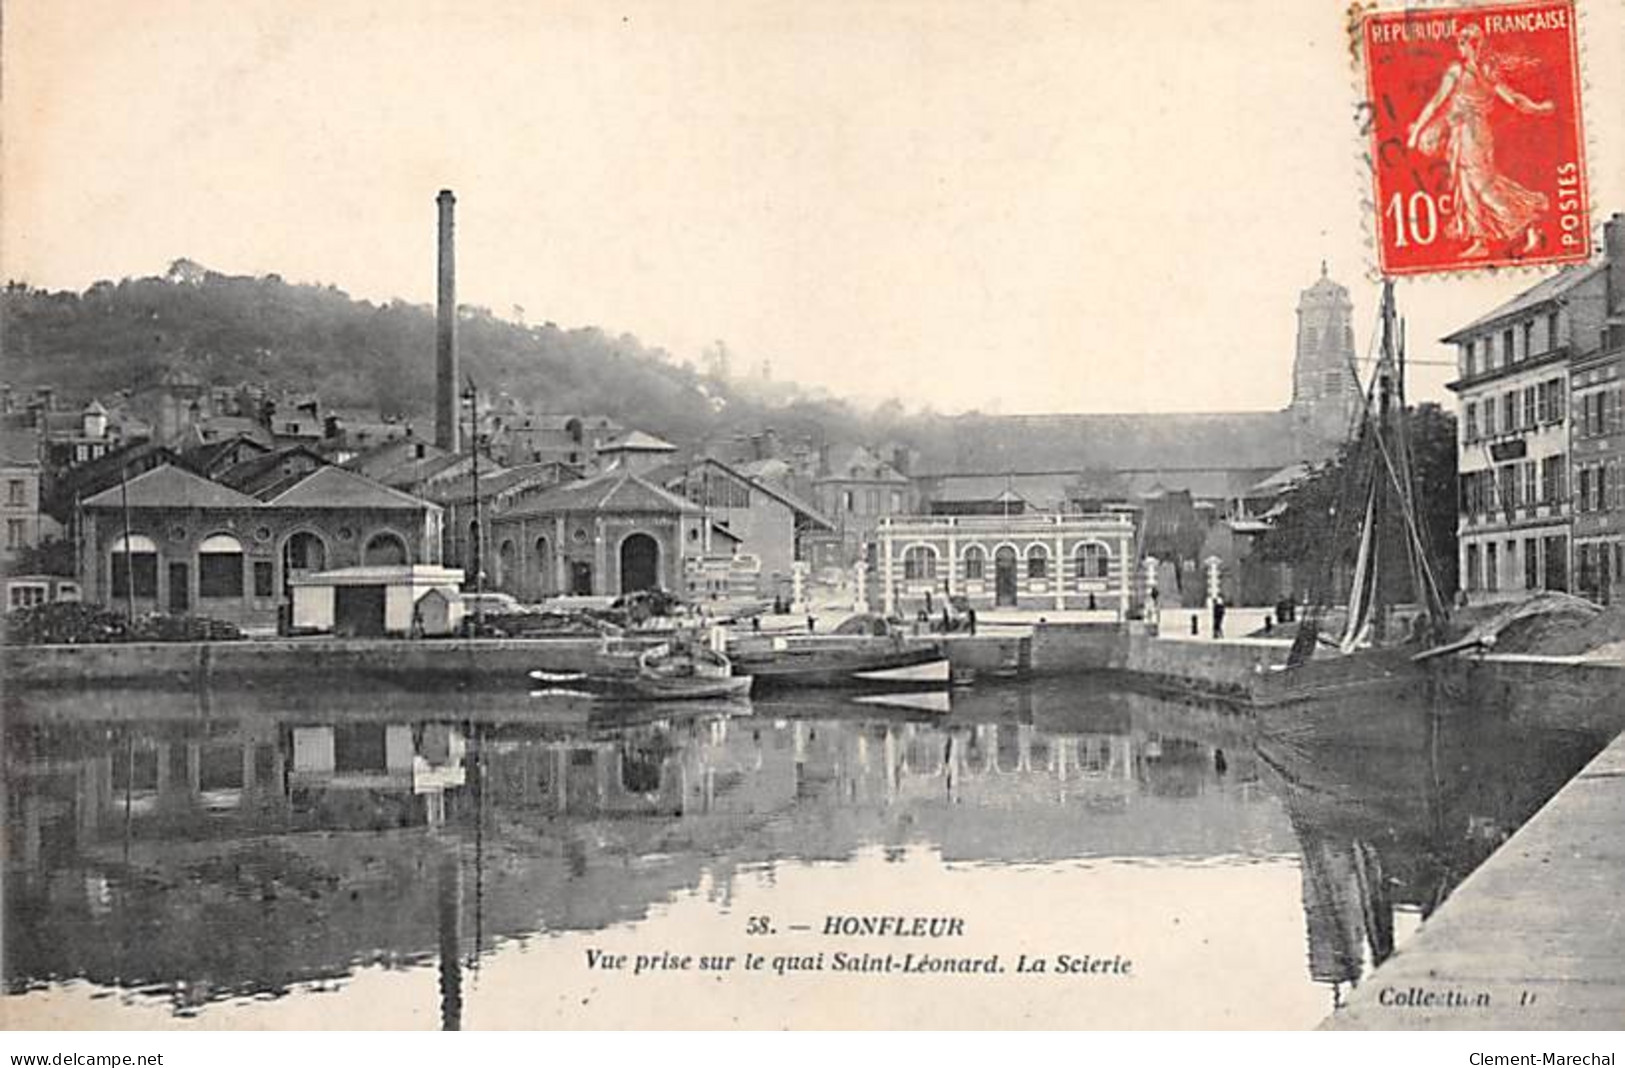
(231, 330)
(227, 330)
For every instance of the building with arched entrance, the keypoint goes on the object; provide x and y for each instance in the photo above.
(604, 536)
(1034, 562)
(172, 541)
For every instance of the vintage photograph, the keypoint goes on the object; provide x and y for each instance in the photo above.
(925, 514)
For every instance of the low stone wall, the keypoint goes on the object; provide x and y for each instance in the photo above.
(1205, 668)
(1064, 648)
(993, 654)
(1209, 668)
(179, 664)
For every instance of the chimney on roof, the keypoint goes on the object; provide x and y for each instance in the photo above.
(446, 422)
(1613, 249)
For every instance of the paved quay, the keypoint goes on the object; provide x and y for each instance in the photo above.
(1534, 939)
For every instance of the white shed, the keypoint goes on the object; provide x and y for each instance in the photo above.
(373, 600)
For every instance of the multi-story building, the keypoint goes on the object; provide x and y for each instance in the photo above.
(1597, 439)
(856, 489)
(1521, 456)
(25, 524)
(772, 524)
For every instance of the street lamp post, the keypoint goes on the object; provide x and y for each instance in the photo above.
(472, 396)
(129, 549)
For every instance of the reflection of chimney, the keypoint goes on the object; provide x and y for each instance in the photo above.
(446, 424)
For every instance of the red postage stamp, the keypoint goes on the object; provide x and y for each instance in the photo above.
(1476, 141)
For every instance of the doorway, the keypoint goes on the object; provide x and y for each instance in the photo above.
(180, 589)
(640, 563)
(580, 578)
(1004, 577)
(358, 611)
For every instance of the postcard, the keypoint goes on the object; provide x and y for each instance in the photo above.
(739, 515)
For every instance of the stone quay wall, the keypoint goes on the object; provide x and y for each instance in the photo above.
(179, 664)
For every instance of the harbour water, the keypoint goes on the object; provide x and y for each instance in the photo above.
(322, 858)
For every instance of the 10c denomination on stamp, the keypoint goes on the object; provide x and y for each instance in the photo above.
(1477, 147)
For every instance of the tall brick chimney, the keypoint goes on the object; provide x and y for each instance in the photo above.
(446, 404)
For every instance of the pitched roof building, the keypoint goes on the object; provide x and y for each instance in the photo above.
(614, 533)
(170, 540)
(766, 522)
(1213, 455)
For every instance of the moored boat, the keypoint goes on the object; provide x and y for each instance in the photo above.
(1378, 698)
(829, 660)
(1376, 655)
(672, 671)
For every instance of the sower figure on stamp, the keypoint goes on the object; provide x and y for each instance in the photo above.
(1487, 205)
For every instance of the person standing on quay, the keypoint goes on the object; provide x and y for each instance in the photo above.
(1218, 616)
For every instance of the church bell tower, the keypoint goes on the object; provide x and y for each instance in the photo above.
(1326, 393)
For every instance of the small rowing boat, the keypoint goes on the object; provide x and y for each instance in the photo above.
(672, 671)
(826, 660)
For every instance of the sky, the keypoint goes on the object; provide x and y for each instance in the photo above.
(1003, 206)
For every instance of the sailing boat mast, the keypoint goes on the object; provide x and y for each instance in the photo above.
(1401, 464)
(1393, 492)
(1378, 492)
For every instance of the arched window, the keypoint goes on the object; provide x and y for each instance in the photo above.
(544, 567)
(305, 551)
(1037, 562)
(975, 562)
(1094, 560)
(384, 548)
(220, 567)
(507, 559)
(919, 563)
(141, 560)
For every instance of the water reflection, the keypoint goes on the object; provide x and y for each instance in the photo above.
(203, 847)
(1387, 833)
